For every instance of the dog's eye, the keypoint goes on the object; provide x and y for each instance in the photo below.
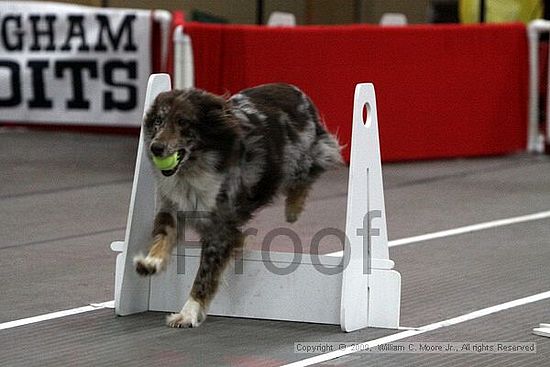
(157, 121)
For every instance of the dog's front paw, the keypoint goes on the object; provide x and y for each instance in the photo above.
(191, 315)
(148, 265)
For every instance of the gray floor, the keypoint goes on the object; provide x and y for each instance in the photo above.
(64, 197)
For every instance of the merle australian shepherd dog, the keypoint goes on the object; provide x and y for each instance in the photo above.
(235, 156)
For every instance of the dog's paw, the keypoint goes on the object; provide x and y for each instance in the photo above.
(191, 315)
(292, 214)
(148, 265)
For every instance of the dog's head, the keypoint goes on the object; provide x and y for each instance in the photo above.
(189, 122)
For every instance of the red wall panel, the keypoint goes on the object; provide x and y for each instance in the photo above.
(442, 91)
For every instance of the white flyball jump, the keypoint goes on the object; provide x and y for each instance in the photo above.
(356, 288)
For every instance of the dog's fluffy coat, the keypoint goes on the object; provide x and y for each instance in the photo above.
(236, 155)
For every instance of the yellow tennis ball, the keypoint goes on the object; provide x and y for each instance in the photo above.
(166, 163)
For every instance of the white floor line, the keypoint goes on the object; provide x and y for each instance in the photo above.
(424, 329)
(55, 315)
(463, 230)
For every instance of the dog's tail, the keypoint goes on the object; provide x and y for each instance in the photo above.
(326, 150)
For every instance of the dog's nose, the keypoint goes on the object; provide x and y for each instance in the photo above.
(157, 149)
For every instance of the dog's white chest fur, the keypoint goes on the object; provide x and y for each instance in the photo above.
(191, 192)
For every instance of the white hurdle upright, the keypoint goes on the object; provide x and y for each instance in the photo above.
(184, 67)
(355, 288)
(536, 141)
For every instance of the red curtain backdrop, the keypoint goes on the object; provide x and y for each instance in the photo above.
(442, 91)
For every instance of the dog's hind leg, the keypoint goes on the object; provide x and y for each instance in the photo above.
(217, 248)
(297, 191)
(295, 201)
(325, 153)
(164, 238)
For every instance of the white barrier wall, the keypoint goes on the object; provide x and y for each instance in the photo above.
(73, 64)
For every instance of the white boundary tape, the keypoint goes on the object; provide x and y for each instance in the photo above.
(472, 228)
(399, 242)
(421, 330)
(464, 230)
(56, 315)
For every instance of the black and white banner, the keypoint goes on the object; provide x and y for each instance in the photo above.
(73, 64)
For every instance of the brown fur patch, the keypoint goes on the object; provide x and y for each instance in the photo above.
(163, 221)
(295, 202)
(165, 234)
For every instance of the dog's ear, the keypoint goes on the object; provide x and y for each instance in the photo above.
(216, 114)
(213, 106)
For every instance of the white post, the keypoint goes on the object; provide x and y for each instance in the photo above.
(184, 68)
(132, 291)
(281, 19)
(532, 128)
(164, 18)
(393, 19)
(534, 29)
(370, 289)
